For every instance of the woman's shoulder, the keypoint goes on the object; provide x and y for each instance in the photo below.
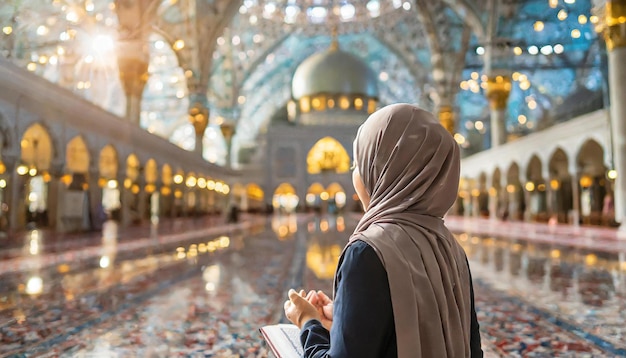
(360, 250)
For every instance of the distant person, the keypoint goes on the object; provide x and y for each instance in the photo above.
(403, 286)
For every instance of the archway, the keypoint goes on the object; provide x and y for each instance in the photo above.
(285, 199)
(151, 208)
(108, 167)
(255, 198)
(592, 182)
(482, 196)
(328, 156)
(336, 198)
(74, 210)
(517, 205)
(131, 185)
(166, 202)
(36, 156)
(560, 201)
(536, 191)
(313, 197)
(498, 196)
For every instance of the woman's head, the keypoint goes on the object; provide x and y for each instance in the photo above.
(405, 161)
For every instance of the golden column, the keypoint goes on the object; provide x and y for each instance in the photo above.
(446, 118)
(228, 130)
(497, 91)
(133, 75)
(199, 117)
(615, 36)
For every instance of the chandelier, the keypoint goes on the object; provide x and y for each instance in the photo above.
(320, 11)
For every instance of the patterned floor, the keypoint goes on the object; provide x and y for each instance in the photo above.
(205, 292)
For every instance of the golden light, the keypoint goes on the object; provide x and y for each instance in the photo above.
(554, 184)
(3, 183)
(493, 192)
(191, 181)
(521, 119)
(358, 104)
(134, 189)
(582, 19)
(22, 170)
(555, 254)
(226, 189)
(553, 3)
(34, 286)
(331, 103)
(517, 50)
(210, 185)
(112, 184)
(585, 181)
(178, 45)
(7, 30)
(128, 183)
(201, 183)
(459, 138)
(530, 186)
(591, 260)
(344, 103)
(538, 26)
(31, 66)
(562, 15)
(66, 179)
(178, 178)
(178, 194)
(475, 192)
(575, 33)
(32, 172)
(541, 187)
(594, 19)
(324, 196)
(612, 174)
(510, 188)
(166, 190)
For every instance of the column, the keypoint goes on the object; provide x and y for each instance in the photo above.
(493, 198)
(142, 197)
(575, 215)
(199, 118)
(95, 199)
(615, 36)
(446, 117)
(133, 75)
(56, 190)
(125, 198)
(228, 130)
(497, 91)
(13, 189)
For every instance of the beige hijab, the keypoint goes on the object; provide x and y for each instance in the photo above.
(410, 167)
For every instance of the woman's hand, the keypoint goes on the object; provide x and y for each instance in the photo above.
(299, 310)
(324, 307)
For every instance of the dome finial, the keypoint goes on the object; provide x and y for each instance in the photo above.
(334, 44)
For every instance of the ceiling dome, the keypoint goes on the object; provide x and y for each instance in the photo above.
(334, 72)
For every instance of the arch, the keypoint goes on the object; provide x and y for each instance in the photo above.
(333, 189)
(593, 186)
(285, 198)
(255, 192)
(151, 171)
(132, 172)
(590, 158)
(77, 156)
(534, 170)
(315, 189)
(36, 147)
(166, 175)
(108, 162)
(558, 164)
(327, 155)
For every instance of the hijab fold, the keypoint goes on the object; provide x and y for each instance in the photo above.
(410, 167)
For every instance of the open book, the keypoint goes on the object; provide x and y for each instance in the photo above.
(283, 340)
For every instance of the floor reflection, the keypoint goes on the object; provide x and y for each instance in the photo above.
(205, 293)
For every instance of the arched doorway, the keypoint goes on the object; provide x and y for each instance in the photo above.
(517, 205)
(131, 186)
(560, 201)
(535, 191)
(592, 182)
(328, 156)
(74, 209)
(255, 198)
(166, 202)
(285, 199)
(336, 198)
(151, 206)
(313, 197)
(36, 155)
(108, 167)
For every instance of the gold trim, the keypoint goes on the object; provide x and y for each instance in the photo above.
(498, 89)
(446, 118)
(615, 20)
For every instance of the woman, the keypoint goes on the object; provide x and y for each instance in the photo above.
(403, 285)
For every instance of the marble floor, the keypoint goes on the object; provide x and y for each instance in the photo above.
(199, 288)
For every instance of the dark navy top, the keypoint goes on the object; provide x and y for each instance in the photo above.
(362, 313)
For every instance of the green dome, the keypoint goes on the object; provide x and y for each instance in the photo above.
(334, 72)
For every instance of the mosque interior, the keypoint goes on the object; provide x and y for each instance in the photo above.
(169, 168)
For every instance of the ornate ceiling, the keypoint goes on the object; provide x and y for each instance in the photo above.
(238, 57)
